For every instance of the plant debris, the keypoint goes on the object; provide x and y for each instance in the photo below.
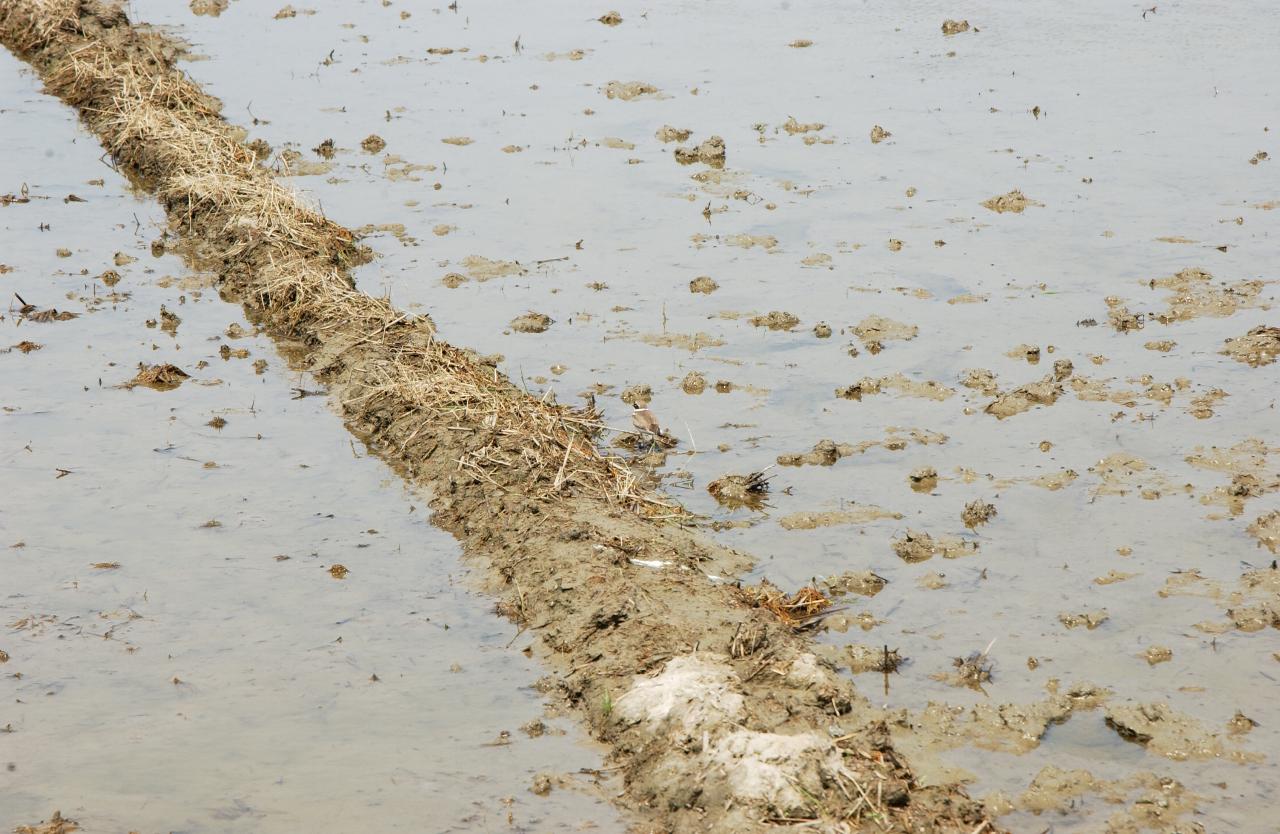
(803, 609)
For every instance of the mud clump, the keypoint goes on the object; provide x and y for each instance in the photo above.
(1012, 728)
(169, 321)
(874, 331)
(610, 18)
(1260, 346)
(1167, 732)
(1014, 202)
(531, 322)
(971, 671)
(693, 383)
(541, 785)
(1266, 529)
(834, 518)
(481, 269)
(1155, 655)
(1053, 789)
(56, 824)
(710, 152)
(1195, 293)
(1123, 321)
(863, 583)
(794, 127)
(954, 27)
(872, 658)
(824, 453)
(924, 479)
(667, 133)
(736, 491)
(162, 377)
(977, 513)
(1023, 398)
(905, 386)
(1089, 619)
(373, 143)
(703, 284)
(980, 379)
(628, 90)
(775, 320)
(209, 8)
(915, 546)
(879, 134)
(637, 395)
(1031, 353)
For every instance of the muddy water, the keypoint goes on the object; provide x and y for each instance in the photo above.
(511, 182)
(179, 654)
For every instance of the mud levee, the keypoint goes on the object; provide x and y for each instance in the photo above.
(718, 716)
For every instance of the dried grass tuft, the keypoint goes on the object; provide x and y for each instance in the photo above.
(802, 609)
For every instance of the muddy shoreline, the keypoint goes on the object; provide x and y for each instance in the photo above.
(711, 731)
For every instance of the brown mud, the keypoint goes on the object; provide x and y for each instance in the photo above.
(709, 731)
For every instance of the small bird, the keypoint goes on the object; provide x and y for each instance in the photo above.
(644, 421)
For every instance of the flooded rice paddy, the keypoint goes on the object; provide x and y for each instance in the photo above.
(994, 270)
(180, 655)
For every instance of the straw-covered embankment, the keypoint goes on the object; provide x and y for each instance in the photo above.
(718, 717)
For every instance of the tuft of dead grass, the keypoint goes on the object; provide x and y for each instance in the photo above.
(802, 609)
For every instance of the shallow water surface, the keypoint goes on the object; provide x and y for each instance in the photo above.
(511, 181)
